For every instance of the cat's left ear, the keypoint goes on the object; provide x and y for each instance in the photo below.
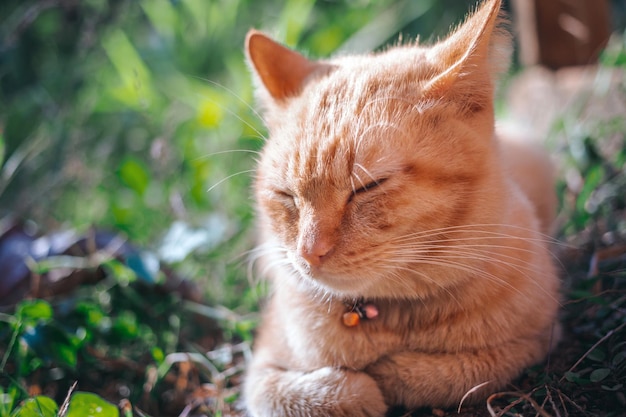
(282, 71)
(472, 58)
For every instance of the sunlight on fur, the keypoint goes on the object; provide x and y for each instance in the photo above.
(384, 193)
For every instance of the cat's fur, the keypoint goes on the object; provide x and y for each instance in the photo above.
(383, 180)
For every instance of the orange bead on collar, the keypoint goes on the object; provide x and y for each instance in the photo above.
(351, 318)
(359, 310)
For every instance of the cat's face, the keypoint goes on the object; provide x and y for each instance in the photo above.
(369, 160)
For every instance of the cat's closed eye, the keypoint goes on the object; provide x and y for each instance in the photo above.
(286, 197)
(367, 187)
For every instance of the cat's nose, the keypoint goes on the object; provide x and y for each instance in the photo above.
(315, 252)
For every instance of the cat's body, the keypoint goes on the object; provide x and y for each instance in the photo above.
(384, 185)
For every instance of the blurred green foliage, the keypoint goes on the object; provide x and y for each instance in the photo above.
(593, 152)
(81, 404)
(123, 114)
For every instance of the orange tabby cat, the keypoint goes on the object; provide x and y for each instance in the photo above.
(402, 238)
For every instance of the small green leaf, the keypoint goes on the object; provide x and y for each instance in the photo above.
(158, 355)
(39, 406)
(599, 374)
(571, 376)
(245, 328)
(125, 326)
(122, 273)
(91, 313)
(34, 310)
(593, 179)
(575, 377)
(51, 343)
(614, 388)
(135, 175)
(231, 398)
(597, 355)
(8, 399)
(85, 404)
(619, 358)
(65, 353)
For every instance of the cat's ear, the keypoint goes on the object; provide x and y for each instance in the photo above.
(281, 71)
(472, 58)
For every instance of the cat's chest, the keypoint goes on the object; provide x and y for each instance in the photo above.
(318, 336)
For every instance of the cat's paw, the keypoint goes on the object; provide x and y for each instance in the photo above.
(325, 392)
(359, 395)
(385, 373)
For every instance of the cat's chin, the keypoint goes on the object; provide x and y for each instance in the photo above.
(337, 290)
(366, 286)
(335, 284)
(365, 283)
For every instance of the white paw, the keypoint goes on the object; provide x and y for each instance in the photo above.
(326, 392)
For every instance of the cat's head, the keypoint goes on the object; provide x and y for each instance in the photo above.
(368, 155)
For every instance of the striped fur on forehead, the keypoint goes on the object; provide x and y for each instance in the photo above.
(364, 124)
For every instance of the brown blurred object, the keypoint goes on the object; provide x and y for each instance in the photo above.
(560, 33)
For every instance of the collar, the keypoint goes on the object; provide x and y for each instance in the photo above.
(357, 310)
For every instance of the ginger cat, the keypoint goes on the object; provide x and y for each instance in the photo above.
(404, 241)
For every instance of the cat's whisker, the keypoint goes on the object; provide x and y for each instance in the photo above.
(362, 168)
(402, 280)
(416, 254)
(381, 125)
(265, 251)
(238, 117)
(237, 96)
(537, 243)
(353, 185)
(477, 235)
(470, 250)
(359, 135)
(212, 154)
(394, 273)
(464, 267)
(247, 171)
(462, 261)
(481, 229)
(363, 184)
(455, 247)
(268, 266)
(392, 264)
(388, 98)
(525, 268)
(514, 242)
(325, 297)
(461, 243)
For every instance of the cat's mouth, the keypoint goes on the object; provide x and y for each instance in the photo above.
(346, 285)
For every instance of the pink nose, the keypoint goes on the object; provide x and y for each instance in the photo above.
(315, 253)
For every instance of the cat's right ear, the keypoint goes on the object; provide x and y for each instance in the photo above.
(281, 71)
